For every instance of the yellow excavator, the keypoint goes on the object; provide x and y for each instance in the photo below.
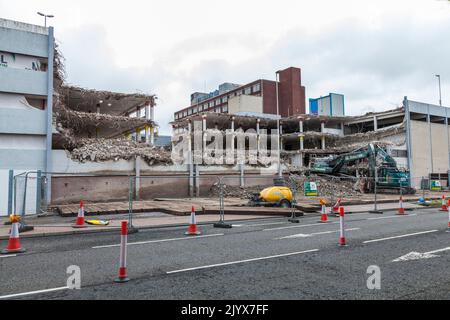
(276, 196)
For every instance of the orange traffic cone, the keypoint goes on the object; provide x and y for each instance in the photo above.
(192, 230)
(14, 240)
(80, 219)
(336, 206)
(443, 205)
(401, 210)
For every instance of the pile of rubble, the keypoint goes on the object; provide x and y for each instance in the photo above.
(234, 191)
(328, 187)
(115, 149)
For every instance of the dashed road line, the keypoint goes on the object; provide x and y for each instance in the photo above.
(15, 295)
(401, 236)
(162, 240)
(242, 261)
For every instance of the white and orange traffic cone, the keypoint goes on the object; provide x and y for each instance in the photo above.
(443, 205)
(80, 219)
(192, 230)
(342, 241)
(323, 216)
(336, 206)
(448, 226)
(123, 254)
(14, 238)
(401, 210)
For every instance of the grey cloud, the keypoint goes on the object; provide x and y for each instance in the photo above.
(373, 66)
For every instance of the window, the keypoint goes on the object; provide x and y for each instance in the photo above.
(399, 153)
(256, 87)
(189, 111)
(248, 90)
(224, 99)
(225, 109)
(184, 113)
(200, 108)
(217, 110)
(194, 110)
(217, 102)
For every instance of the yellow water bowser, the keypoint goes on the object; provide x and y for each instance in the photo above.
(277, 194)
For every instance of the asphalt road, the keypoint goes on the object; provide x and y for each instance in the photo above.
(260, 259)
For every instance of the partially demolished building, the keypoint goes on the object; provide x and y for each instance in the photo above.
(48, 127)
(415, 135)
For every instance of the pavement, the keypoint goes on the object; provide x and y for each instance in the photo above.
(57, 225)
(267, 258)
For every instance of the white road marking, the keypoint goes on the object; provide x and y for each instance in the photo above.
(242, 261)
(8, 256)
(301, 226)
(401, 236)
(390, 217)
(303, 235)
(162, 240)
(438, 250)
(417, 255)
(261, 224)
(33, 292)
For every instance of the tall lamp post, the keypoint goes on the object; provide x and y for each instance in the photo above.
(439, 81)
(278, 125)
(45, 17)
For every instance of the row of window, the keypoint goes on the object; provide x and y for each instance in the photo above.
(217, 102)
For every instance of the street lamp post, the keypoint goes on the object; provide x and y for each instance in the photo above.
(278, 126)
(45, 17)
(439, 81)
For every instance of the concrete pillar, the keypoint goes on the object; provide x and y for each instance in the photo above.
(38, 191)
(190, 162)
(241, 173)
(342, 129)
(152, 135)
(10, 192)
(152, 112)
(204, 128)
(232, 143)
(137, 185)
(49, 115)
(197, 180)
(257, 134)
(138, 134)
(448, 141)
(430, 139)
(281, 139)
(322, 129)
(375, 123)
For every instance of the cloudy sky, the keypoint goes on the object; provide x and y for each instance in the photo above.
(374, 52)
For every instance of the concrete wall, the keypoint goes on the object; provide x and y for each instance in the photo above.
(23, 81)
(245, 103)
(420, 144)
(440, 147)
(26, 41)
(420, 155)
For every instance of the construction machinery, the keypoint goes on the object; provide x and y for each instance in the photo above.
(382, 168)
(275, 196)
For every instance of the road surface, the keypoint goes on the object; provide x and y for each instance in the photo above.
(260, 259)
